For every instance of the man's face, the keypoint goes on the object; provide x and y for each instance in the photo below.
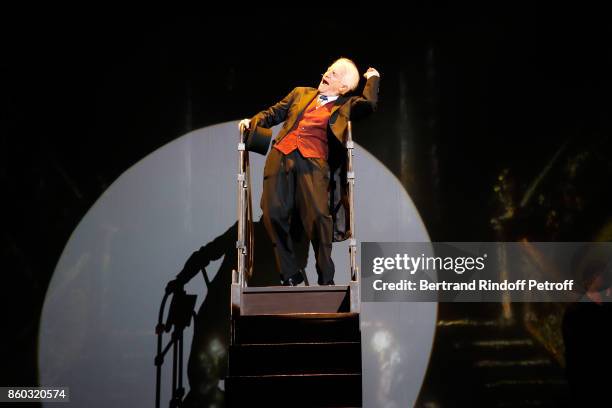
(331, 83)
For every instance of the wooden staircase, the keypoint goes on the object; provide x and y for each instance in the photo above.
(294, 346)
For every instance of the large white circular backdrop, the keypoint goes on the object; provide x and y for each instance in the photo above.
(97, 326)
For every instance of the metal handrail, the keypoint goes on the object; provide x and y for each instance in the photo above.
(242, 190)
(350, 177)
(244, 242)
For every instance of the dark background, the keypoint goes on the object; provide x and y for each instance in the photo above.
(496, 119)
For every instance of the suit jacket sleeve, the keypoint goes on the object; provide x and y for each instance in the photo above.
(276, 113)
(366, 103)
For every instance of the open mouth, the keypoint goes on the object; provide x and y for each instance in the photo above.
(324, 82)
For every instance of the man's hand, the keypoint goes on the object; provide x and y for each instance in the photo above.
(371, 72)
(244, 124)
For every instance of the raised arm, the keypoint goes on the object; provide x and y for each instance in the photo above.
(271, 116)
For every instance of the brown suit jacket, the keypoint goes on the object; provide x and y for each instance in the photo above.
(291, 109)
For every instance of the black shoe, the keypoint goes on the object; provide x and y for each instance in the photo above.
(331, 282)
(294, 280)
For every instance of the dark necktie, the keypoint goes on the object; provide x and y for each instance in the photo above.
(322, 100)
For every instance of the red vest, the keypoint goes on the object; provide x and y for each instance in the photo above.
(310, 135)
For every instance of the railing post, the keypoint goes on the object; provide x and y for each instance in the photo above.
(242, 198)
(350, 176)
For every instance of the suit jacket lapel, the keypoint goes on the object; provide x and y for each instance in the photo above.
(305, 100)
(337, 104)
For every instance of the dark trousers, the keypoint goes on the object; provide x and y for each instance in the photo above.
(297, 185)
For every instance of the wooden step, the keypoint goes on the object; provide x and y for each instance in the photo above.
(296, 328)
(294, 299)
(307, 390)
(295, 358)
(295, 346)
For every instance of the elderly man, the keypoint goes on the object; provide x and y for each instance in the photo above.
(297, 170)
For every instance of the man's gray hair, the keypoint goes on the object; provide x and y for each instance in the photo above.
(351, 74)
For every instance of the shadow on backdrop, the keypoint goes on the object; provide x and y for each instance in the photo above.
(207, 366)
